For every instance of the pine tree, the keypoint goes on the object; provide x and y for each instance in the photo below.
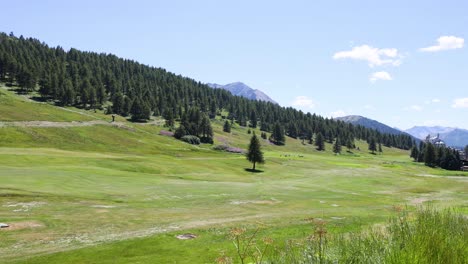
(373, 145)
(206, 131)
(26, 80)
(277, 136)
(349, 144)
(320, 142)
(140, 110)
(414, 153)
(254, 153)
(429, 155)
(380, 147)
(169, 117)
(337, 146)
(253, 119)
(227, 127)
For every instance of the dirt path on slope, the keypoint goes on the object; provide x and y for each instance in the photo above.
(58, 124)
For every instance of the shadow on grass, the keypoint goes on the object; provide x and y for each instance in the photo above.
(252, 170)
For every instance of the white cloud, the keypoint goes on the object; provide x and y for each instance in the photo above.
(445, 43)
(338, 113)
(382, 75)
(416, 108)
(373, 56)
(433, 101)
(460, 103)
(369, 107)
(304, 101)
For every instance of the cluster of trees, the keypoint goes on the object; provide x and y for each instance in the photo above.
(128, 88)
(195, 123)
(436, 156)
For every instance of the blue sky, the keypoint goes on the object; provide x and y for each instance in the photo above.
(403, 63)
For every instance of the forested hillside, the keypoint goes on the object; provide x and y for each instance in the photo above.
(128, 88)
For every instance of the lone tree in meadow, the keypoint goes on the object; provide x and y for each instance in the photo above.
(254, 153)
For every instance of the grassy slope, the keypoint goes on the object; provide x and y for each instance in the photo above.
(97, 185)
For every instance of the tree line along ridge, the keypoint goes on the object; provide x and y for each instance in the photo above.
(125, 87)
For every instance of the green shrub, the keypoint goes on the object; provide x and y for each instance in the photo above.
(194, 140)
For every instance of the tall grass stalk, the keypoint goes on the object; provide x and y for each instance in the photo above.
(425, 236)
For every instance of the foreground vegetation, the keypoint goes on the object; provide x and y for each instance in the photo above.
(425, 236)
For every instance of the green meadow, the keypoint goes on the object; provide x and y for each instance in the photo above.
(121, 194)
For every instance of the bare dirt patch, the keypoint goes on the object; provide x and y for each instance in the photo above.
(419, 200)
(103, 206)
(186, 236)
(22, 225)
(24, 207)
(267, 202)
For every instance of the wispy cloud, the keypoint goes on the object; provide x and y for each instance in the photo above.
(432, 101)
(304, 101)
(338, 113)
(460, 103)
(381, 75)
(373, 56)
(416, 108)
(445, 43)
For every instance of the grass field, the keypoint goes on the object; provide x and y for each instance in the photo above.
(104, 194)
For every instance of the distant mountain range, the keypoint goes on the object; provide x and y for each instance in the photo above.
(241, 89)
(454, 137)
(370, 123)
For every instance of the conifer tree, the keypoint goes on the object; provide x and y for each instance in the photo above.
(206, 131)
(169, 117)
(277, 136)
(254, 153)
(337, 146)
(414, 153)
(320, 142)
(140, 110)
(253, 119)
(227, 127)
(429, 155)
(349, 144)
(118, 103)
(373, 145)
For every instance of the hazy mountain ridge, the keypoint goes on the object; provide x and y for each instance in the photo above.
(373, 124)
(370, 123)
(452, 136)
(241, 89)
